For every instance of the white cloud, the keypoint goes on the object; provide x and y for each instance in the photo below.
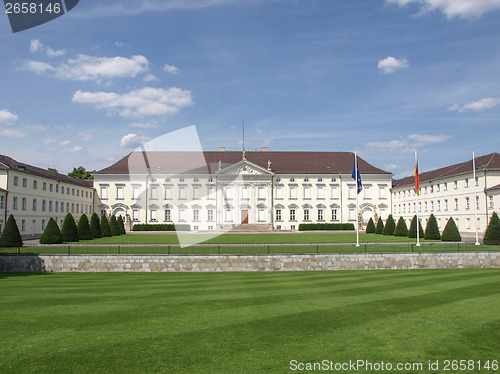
(407, 144)
(85, 68)
(453, 8)
(7, 118)
(12, 133)
(53, 140)
(171, 69)
(85, 137)
(119, 44)
(483, 104)
(145, 125)
(35, 45)
(391, 65)
(428, 139)
(52, 53)
(150, 78)
(133, 140)
(74, 149)
(147, 101)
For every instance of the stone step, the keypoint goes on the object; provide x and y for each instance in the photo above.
(249, 227)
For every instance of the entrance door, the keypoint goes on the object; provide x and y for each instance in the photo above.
(244, 216)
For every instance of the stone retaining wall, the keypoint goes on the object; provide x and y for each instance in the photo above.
(214, 263)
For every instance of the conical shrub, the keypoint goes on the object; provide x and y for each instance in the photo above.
(450, 232)
(370, 227)
(84, 232)
(390, 226)
(380, 226)
(11, 237)
(95, 226)
(51, 234)
(432, 229)
(412, 232)
(69, 230)
(113, 226)
(492, 234)
(105, 230)
(401, 228)
(121, 225)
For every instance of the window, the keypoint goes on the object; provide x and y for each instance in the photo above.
(104, 192)
(67, 190)
(334, 192)
(153, 215)
(72, 208)
(456, 204)
(154, 192)
(479, 223)
(445, 186)
(491, 202)
(335, 216)
(25, 182)
(2, 202)
(56, 206)
(57, 188)
(23, 204)
(321, 192)
(293, 192)
(455, 184)
(306, 215)
(228, 192)
(279, 192)
(466, 182)
(292, 214)
(86, 194)
(307, 192)
(210, 215)
(425, 204)
(135, 215)
(244, 192)
(382, 192)
(51, 187)
(278, 214)
(77, 209)
(135, 192)
(261, 215)
(368, 192)
(16, 181)
(211, 192)
(438, 188)
(228, 216)
(352, 214)
(23, 225)
(35, 184)
(168, 215)
(78, 193)
(476, 181)
(467, 223)
(168, 192)
(44, 186)
(467, 203)
(196, 215)
(62, 189)
(261, 193)
(182, 214)
(352, 192)
(446, 205)
(196, 192)
(67, 207)
(43, 205)
(320, 215)
(119, 192)
(477, 202)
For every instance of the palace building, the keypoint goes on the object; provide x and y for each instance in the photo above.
(259, 190)
(33, 195)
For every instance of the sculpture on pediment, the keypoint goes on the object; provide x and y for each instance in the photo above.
(269, 164)
(220, 165)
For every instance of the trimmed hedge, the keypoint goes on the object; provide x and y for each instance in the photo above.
(95, 226)
(326, 226)
(401, 228)
(370, 227)
(160, 227)
(450, 232)
(380, 226)
(84, 232)
(121, 225)
(412, 232)
(105, 230)
(51, 234)
(113, 226)
(390, 226)
(432, 229)
(492, 235)
(69, 230)
(11, 237)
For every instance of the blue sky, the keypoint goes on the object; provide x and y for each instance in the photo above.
(383, 77)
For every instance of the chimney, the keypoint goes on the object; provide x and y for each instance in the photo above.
(222, 149)
(264, 149)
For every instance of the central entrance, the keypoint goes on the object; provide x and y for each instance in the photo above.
(244, 217)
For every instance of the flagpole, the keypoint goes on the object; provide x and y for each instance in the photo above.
(417, 186)
(357, 200)
(475, 193)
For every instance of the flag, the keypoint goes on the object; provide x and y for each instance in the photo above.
(355, 172)
(417, 178)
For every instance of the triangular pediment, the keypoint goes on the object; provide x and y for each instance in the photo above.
(245, 167)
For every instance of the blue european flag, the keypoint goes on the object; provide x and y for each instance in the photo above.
(358, 179)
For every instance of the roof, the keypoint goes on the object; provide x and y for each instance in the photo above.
(8, 163)
(208, 162)
(487, 162)
(497, 187)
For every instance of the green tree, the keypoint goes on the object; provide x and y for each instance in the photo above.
(121, 225)
(11, 237)
(81, 173)
(401, 228)
(412, 232)
(51, 234)
(432, 229)
(492, 234)
(380, 226)
(390, 226)
(84, 232)
(113, 226)
(95, 226)
(370, 227)
(450, 232)
(69, 230)
(105, 230)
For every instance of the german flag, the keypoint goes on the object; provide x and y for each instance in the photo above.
(417, 178)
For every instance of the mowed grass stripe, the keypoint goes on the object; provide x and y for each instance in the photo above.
(116, 329)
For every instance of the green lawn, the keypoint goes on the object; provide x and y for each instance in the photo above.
(246, 322)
